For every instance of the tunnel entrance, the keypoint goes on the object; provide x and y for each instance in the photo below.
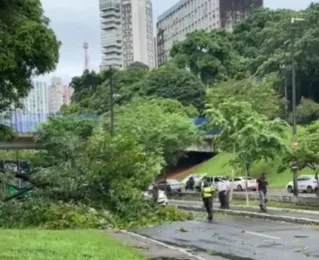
(186, 164)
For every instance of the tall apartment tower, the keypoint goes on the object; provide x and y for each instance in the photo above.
(67, 93)
(190, 15)
(126, 33)
(55, 95)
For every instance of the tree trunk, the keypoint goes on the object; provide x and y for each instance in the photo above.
(246, 190)
(317, 190)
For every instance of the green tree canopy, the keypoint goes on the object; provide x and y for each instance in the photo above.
(62, 136)
(172, 82)
(85, 85)
(28, 48)
(249, 135)
(260, 94)
(266, 39)
(307, 112)
(209, 55)
(162, 126)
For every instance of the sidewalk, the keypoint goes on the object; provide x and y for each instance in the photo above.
(278, 214)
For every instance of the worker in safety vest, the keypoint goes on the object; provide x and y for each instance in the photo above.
(207, 195)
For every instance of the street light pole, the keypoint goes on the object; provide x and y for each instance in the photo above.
(111, 103)
(293, 68)
(294, 121)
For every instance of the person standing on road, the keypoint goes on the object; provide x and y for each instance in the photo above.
(262, 189)
(207, 195)
(191, 183)
(222, 193)
(227, 182)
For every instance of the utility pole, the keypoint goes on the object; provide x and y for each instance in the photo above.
(293, 68)
(286, 97)
(294, 120)
(111, 103)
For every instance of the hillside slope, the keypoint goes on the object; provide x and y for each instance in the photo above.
(219, 165)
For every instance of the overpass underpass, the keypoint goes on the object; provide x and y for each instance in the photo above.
(29, 142)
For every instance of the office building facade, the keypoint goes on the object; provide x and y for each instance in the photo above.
(190, 15)
(126, 33)
(37, 100)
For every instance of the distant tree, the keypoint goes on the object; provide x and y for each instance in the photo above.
(249, 135)
(172, 82)
(209, 55)
(62, 136)
(162, 126)
(265, 39)
(138, 65)
(85, 85)
(260, 94)
(307, 112)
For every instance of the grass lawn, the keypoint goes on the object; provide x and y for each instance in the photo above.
(70, 244)
(218, 165)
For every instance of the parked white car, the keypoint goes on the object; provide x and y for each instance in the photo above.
(212, 180)
(305, 183)
(239, 183)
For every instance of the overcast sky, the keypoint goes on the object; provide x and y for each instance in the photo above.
(76, 21)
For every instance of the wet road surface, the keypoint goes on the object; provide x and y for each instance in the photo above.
(237, 238)
(272, 211)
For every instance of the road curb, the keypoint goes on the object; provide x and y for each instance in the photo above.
(304, 221)
(239, 207)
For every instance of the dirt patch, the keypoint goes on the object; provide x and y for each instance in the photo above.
(151, 250)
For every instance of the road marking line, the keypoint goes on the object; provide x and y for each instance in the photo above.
(163, 244)
(261, 235)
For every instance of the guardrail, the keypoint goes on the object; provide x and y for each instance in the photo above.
(196, 196)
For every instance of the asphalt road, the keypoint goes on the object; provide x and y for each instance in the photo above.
(237, 238)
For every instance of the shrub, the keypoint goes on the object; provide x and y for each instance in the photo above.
(45, 214)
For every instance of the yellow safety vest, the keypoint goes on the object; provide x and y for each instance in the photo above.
(208, 192)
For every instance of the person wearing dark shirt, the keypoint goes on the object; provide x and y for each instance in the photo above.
(262, 189)
(191, 183)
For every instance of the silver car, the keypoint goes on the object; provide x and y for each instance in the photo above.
(171, 185)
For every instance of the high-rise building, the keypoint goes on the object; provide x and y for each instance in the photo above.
(126, 33)
(188, 15)
(67, 93)
(37, 100)
(55, 95)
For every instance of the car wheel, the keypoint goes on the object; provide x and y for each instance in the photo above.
(316, 190)
(240, 188)
(309, 189)
(289, 189)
